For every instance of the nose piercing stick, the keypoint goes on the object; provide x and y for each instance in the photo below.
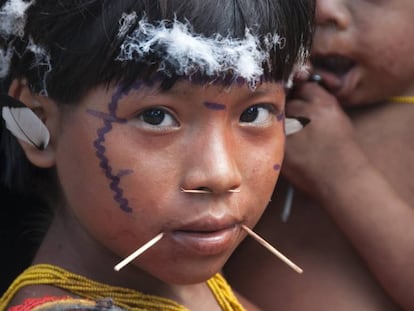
(139, 251)
(206, 190)
(273, 250)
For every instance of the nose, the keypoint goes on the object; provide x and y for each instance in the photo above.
(211, 165)
(332, 13)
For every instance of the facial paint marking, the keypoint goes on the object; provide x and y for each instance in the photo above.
(277, 167)
(104, 116)
(280, 117)
(108, 119)
(214, 106)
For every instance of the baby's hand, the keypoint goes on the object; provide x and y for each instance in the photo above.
(314, 155)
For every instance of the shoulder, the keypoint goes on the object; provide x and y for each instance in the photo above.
(33, 303)
(49, 303)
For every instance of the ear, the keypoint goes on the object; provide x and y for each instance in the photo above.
(41, 119)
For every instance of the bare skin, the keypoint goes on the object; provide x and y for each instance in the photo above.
(353, 241)
(68, 249)
(121, 183)
(352, 223)
(348, 261)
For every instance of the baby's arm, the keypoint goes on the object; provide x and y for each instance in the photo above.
(326, 161)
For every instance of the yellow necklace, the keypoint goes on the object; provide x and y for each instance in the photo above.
(402, 99)
(125, 298)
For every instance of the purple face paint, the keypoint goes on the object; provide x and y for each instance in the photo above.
(104, 116)
(280, 117)
(277, 167)
(108, 119)
(214, 106)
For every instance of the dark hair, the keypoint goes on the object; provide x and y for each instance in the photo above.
(80, 37)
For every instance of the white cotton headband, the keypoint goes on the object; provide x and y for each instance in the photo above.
(186, 53)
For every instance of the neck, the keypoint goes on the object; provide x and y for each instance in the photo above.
(69, 246)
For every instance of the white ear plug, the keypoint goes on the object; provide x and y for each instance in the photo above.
(23, 123)
(292, 126)
(295, 124)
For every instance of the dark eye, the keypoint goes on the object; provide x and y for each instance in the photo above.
(157, 118)
(250, 114)
(153, 116)
(261, 114)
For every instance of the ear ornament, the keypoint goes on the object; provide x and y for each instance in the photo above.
(23, 123)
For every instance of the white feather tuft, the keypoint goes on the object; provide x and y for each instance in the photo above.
(292, 126)
(5, 58)
(13, 17)
(24, 124)
(186, 53)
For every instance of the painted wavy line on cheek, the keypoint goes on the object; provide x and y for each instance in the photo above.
(108, 119)
(214, 106)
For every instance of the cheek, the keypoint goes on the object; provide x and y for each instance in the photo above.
(84, 167)
(111, 179)
(82, 179)
(263, 168)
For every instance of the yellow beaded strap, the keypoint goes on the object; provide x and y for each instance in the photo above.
(223, 294)
(125, 298)
(402, 99)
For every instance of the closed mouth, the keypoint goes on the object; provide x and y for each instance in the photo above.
(206, 242)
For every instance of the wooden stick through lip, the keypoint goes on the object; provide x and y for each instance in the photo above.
(270, 248)
(139, 251)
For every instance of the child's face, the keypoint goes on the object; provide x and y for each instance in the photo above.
(122, 158)
(364, 48)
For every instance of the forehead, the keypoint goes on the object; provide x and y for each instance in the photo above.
(185, 88)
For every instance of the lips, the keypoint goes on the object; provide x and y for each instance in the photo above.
(206, 238)
(338, 73)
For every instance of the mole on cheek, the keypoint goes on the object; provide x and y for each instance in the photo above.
(276, 167)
